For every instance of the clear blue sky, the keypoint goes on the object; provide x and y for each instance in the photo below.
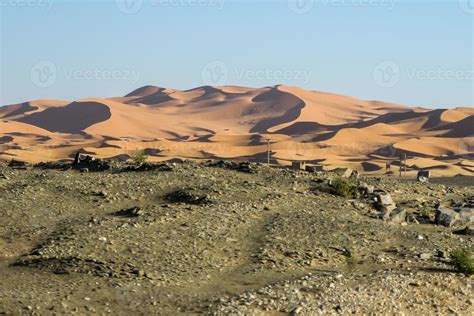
(414, 52)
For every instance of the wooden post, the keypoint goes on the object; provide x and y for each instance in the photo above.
(405, 164)
(401, 162)
(77, 158)
(268, 151)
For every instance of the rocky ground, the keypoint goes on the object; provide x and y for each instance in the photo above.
(225, 238)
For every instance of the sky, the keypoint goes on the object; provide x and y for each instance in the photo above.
(412, 52)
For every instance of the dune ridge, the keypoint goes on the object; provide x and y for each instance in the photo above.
(233, 122)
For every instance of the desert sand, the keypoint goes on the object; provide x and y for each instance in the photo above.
(235, 123)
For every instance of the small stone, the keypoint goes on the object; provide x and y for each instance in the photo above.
(425, 256)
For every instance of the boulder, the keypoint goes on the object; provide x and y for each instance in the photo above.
(3, 176)
(422, 179)
(365, 189)
(246, 167)
(17, 164)
(466, 215)
(398, 215)
(129, 212)
(384, 198)
(384, 202)
(466, 231)
(446, 217)
(314, 168)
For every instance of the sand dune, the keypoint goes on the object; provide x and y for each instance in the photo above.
(233, 122)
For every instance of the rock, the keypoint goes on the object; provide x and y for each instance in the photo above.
(246, 167)
(84, 170)
(365, 189)
(384, 198)
(314, 168)
(466, 231)
(91, 163)
(370, 189)
(387, 208)
(422, 179)
(146, 166)
(54, 165)
(189, 196)
(130, 212)
(446, 217)
(324, 186)
(466, 215)
(397, 215)
(443, 254)
(17, 164)
(347, 173)
(384, 202)
(425, 256)
(3, 176)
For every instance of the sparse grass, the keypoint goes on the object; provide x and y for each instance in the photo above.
(461, 259)
(344, 187)
(138, 157)
(425, 212)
